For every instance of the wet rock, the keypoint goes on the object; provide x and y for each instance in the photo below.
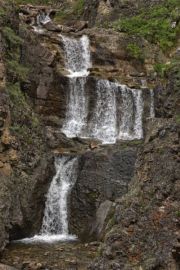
(6, 267)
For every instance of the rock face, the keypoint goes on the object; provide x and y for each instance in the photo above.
(104, 174)
(145, 234)
(24, 167)
(100, 11)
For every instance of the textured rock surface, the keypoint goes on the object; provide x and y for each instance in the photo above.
(25, 168)
(145, 234)
(100, 11)
(103, 174)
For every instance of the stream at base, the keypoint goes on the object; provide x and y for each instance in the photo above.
(57, 256)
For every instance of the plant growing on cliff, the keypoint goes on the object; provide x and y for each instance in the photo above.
(16, 71)
(79, 7)
(135, 51)
(11, 37)
(154, 24)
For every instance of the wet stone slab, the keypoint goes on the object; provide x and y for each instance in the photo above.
(59, 256)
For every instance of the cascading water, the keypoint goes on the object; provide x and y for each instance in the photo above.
(105, 124)
(132, 109)
(77, 55)
(55, 221)
(77, 63)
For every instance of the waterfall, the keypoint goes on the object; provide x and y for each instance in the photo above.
(77, 55)
(108, 121)
(103, 123)
(132, 109)
(77, 63)
(55, 220)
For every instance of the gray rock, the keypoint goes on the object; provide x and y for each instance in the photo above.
(101, 215)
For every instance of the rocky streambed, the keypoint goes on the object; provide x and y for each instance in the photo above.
(64, 256)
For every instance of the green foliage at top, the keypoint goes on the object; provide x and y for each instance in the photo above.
(154, 24)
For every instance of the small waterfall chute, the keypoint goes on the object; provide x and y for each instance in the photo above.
(55, 220)
(77, 63)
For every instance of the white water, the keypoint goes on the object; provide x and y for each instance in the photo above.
(42, 19)
(132, 110)
(55, 221)
(77, 54)
(77, 63)
(109, 121)
(103, 123)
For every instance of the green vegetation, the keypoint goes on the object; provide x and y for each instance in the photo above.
(160, 69)
(79, 7)
(11, 37)
(23, 119)
(177, 119)
(135, 51)
(17, 71)
(154, 24)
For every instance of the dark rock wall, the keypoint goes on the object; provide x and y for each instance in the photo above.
(145, 234)
(26, 167)
(103, 174)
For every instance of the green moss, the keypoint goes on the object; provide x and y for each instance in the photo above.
(160, 69)
(11, 37)
(154, 24)
(17, 71)
(25, 123)
(135, 51)
(79, 7)
(178, 119)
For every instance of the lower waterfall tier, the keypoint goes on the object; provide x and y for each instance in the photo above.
(116, 111)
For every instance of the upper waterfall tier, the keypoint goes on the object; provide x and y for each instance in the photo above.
(77, 55)
(106, 111)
